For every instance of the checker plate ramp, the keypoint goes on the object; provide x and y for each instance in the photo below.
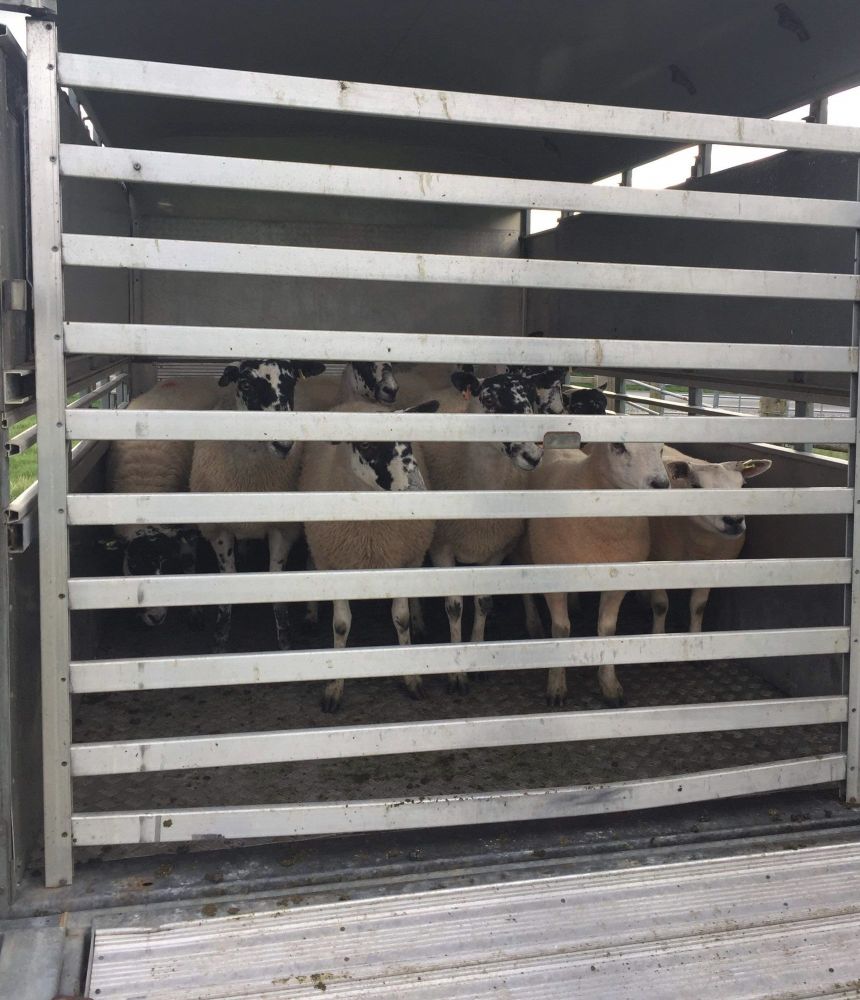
(780, 925)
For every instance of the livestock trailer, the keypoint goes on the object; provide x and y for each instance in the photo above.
(186, 185)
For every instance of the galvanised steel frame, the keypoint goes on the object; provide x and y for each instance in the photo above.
(58, 425)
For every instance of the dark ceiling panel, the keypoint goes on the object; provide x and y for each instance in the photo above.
(732, 57)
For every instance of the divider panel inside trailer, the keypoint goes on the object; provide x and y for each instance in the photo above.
(65, 825)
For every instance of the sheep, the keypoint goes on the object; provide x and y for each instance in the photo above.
(351, 465)
(158, 467)
(699, 536)
(371, 380)
(582, 540)
(481, 466)
(576, 401)
(252, 466)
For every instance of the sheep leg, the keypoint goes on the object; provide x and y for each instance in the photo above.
(556, 683)
(607, 623)
(416, 615)
(400, 617)
(659, 611)
(312, 608)
(341, 623)
(484, 605)
(224, 545)
(534, 626)
(444, 556)
(280, 543)
(698, 603)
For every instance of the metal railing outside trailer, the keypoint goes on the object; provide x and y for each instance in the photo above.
(52, 250)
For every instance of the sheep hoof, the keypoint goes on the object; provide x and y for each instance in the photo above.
(458, 684)
(330, 703)
(556, 699)
(617, 702)
(219, 646)
(284, 642)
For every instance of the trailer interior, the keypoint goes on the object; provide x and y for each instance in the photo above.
(186, 185)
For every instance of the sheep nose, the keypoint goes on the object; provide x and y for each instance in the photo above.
(659, 483)
(386, 394)
(735, 525)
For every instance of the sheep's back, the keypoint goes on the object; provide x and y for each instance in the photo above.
(240, 467)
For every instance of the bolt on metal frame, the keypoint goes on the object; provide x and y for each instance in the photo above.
(59, 424)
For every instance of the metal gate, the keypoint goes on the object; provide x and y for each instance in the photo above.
(54, 250)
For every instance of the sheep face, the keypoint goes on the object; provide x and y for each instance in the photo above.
(269, 385)
(546, 383)
(716, 476)
(590, 402)
(631, 466)
(506, 394)
(152, 551)
(389, 466)
(374, 380)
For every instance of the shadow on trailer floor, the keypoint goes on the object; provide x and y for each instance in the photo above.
(141, 715)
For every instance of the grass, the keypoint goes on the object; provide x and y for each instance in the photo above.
(22, 468)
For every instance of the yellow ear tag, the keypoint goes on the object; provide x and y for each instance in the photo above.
(749, 464)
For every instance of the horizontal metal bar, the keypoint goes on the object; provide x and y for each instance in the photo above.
(88, 593)
(158, 673)
(307, 819)
(238, 173)
(199, 256)
(26, 439)
(218, 508)
(332, 345)
(205, 83)
(21, 442)
(235, 425)
(236, 749)
(99, 392)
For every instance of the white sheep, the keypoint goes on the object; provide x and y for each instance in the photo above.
(581, 540)
(699, 536)
(252, 466)
(158, 467)
(481, 466)
(347, 466)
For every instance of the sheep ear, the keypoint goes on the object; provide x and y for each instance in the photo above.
(602, 387)
(466, 383)
(429, 406)
(468, 369)
(307, 369)
(678, 470)
(231, 374)
(752, 467)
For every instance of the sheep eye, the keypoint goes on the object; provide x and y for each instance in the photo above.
(618, 448)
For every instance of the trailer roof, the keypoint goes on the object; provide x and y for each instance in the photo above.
(742, 57)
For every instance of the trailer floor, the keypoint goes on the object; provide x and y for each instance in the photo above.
(291, 706)
(770, 925)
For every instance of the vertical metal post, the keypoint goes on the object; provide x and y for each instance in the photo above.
(702, 163)
(852, 729)
(46, 225)
(694, 395)
(802, 408)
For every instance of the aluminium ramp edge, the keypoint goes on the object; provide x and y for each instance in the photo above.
(768, 925)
